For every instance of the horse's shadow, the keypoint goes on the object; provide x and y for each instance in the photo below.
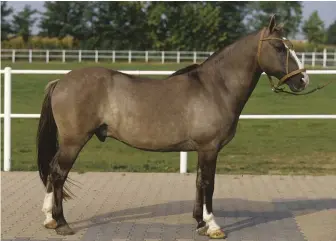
(232, 214)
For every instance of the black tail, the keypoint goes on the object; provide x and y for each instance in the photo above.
(47, 144)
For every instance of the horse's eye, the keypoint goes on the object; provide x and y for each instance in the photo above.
(280, 47)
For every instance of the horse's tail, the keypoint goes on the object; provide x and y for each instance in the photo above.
(46, 140)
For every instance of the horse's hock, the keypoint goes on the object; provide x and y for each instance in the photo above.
(153, 206)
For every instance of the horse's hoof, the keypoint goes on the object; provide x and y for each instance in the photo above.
(64, 230)
(202, 230)
(52, 224)
(217, 234)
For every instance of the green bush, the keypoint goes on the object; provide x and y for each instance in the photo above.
(37, 42)
(309, 47)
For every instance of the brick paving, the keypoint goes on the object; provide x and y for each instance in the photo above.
(158, 206)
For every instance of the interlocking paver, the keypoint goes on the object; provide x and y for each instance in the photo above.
(158, 206)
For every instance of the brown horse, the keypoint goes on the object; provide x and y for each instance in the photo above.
(195, 109)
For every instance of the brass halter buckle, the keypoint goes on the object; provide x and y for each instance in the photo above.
(275, 88)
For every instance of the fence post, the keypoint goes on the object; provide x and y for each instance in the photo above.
(324, 57)
(13, 56)
(146, 56)
(63, 56)
(30, 55)
(162, 57)
(129, 56)
(195, 57)
(96, 56)
(178, 57)
(80, 56)
(113, 56)
(303, 59)
(183, 162)
(313, 59)
(7, 118)
(47, 56)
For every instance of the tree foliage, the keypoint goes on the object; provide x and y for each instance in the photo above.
(331, 33)
(6, 27)
(287, 12)
(66, 18)
(185, 25)
(313, 29)
(23, 21)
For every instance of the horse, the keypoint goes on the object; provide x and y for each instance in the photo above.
(195, 109)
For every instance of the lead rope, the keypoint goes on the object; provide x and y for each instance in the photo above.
(281, 90)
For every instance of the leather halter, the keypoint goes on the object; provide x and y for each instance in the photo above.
(288, 75)
(274, 87)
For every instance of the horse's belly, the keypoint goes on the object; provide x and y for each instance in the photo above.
(146, 122)
(149, 133)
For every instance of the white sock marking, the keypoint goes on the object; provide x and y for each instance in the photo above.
(209, 219)
(47, 207)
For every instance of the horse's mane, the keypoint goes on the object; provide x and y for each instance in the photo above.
(222, 50)
(230, 46)
(185, 70)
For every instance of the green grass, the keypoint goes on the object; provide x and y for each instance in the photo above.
(260, 146)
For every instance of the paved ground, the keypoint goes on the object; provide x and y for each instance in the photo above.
(134, 206)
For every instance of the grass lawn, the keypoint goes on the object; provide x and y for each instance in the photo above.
(260, 146)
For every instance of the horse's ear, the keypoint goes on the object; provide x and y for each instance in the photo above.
(271, 24)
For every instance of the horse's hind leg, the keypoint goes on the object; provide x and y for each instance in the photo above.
(49, 222)
(60, 167)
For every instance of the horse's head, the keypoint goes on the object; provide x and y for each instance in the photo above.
(277, 58)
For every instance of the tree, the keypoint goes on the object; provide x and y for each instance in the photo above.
(66, 18)
(131, 26)
(231, 20)
(190, 26)
(287, 12)
(195, 25)
(6, 27)
(313, 29)
(331, 33)
(118, 25)
(23, 21)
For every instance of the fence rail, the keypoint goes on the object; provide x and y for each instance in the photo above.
(7, 115)
(326, 58)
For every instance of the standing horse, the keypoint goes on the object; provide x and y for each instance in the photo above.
(196, 109)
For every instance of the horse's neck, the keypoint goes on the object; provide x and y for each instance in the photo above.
(236, 72)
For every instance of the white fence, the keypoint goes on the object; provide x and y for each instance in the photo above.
(326, 58)
(183, 155)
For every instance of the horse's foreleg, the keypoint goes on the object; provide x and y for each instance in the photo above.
(207, 162)
(198, 207)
